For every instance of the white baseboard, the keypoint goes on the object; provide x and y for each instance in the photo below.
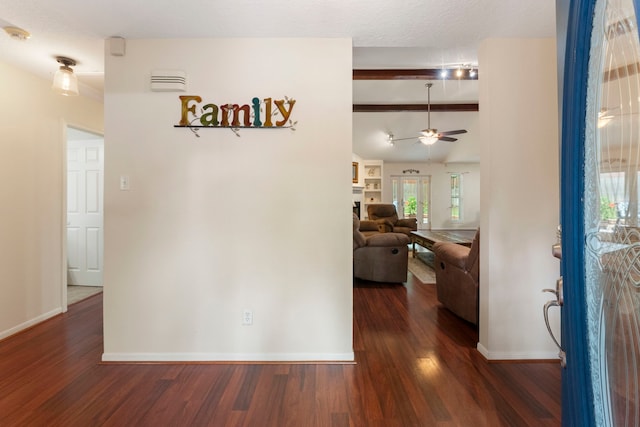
(523, 356)
(229, 357)
(29, 323)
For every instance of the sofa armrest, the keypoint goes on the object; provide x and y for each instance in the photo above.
(451, 253)
(411, 223)
(368, 225)
(388, 239)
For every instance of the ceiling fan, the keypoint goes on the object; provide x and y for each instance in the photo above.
(430, 135)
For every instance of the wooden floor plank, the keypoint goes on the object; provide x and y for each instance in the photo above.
(416, 366)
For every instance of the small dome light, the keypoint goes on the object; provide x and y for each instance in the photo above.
(17, 33)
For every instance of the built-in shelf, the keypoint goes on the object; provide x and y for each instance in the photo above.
(372, 192)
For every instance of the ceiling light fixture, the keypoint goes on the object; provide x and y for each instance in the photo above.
(469, 68)
(429, 136)
(17, 33)
(390, 139)
(64, 81)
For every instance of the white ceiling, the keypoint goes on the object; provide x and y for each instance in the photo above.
(385, 33)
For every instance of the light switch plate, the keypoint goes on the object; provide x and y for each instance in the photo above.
(124, 182)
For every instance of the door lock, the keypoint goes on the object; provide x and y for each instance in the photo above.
(556, 248)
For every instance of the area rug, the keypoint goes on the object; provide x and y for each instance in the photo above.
(421, 271)
(78, 293)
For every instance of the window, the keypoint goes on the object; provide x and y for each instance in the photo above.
(456, 197)
(411, 195)
(613, 203)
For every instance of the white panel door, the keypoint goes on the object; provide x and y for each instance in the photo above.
(85, 171)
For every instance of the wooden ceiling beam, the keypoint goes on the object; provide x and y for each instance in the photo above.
(412, 74)
(384, 108)
(415, 74)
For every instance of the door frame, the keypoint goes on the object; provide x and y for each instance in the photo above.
(64, 125)
(577, 388)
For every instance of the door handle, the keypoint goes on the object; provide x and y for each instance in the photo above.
(557, 292)
(558, 302)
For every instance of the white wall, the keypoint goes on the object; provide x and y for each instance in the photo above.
(217, 224)
(441, 191)
(32, 146)
(519, 196)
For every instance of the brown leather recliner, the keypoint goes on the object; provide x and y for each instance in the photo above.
(380, 257)
(458, 277)
(386, 216)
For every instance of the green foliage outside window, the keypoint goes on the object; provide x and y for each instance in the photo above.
(607, 209)
(411, 207)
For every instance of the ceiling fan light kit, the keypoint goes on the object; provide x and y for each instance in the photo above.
(64, 81)
(430, 136)
(428, 140)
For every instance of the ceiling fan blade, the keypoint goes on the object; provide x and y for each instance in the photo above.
(453, 132)
(447, 138)
(404, 139)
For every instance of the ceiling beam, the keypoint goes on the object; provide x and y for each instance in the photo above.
(384, 108)
(415, 74)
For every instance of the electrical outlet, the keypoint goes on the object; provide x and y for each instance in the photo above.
(247, 317)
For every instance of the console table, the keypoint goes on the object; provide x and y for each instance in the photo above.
(426, 238)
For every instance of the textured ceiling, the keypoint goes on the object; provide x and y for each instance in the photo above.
(422, 32)
(385, 33)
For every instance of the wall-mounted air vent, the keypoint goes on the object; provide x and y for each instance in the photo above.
(168, 81)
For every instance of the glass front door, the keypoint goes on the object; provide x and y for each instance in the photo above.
(601, 236)
(411, 196)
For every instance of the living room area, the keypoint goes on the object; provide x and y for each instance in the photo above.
(436, 183)
(499, 176)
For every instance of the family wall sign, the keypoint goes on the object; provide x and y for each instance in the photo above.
(264, 113)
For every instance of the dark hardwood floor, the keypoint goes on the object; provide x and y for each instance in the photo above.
(416, 365)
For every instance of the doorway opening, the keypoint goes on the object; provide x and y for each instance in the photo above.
(84, 214)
